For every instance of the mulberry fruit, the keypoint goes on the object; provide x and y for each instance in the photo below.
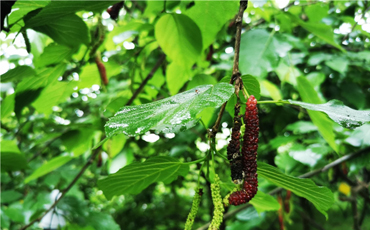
(249, 148)
(233, 149)
(249, 155)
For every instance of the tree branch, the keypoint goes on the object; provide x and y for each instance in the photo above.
(236, 74)
(306, 175)
(64, 192)
(148, 77)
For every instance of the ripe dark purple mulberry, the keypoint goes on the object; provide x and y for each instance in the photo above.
(249, 155)
(233, 149)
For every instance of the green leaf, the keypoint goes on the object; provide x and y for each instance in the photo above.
(252, 85)
(68, 30)
(257, 53)
(211, 16)
(264, 202)
(48, 167)
(10, 196)
(53, 95)
(176, 76)
(21, 8)
(58, 9)
(180, 38)
(201, 79)
(339, 64)
(137, 176)
(15, 213)
(89, 76)
(53, 54)
(231, 105)
(114, 145)
(301, 127)
(317, 11)
(287, 73)
(78, 141)
(7, 105)
(11, 158)
(172, 114)
(338, 112)
(44, 77)
(325, 126)
(18, 73)
(322, 31)
(269, 89)
(321, 197)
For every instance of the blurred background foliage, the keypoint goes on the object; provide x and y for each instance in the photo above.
(55, 102)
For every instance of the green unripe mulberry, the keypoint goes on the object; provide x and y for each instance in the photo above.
(218, 212)
(194, 208)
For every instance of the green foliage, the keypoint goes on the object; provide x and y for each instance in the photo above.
(11, 157)
(343, 115)
(135, 177)
(65, 123)
(180, 38)
(169, 115)
(325, 126)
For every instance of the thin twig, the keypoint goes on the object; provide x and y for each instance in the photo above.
(148, 77)
(64, 192)
(306, 175)
(236, 73)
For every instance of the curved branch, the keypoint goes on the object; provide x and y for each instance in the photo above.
(64, 192)
(306, 175)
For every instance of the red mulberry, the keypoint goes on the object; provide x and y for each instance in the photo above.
(249, 155)
(250, 145)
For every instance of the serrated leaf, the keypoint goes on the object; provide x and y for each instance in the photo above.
(169, 115)
(321, 197)
(252, 85)
(50, 166)
(325, 126)
(137, 176)
(338, 112)
(180, 38)
(264, 202)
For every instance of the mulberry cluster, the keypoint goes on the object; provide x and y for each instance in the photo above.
(233, 149)
(249, 155)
